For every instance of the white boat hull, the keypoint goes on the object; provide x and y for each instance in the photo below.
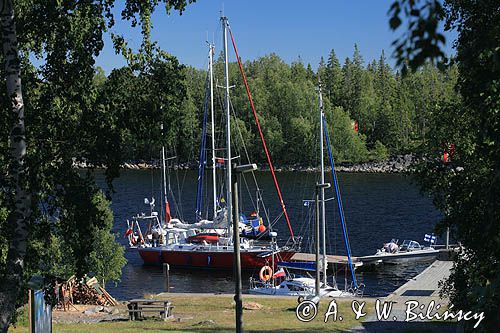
(425, 254)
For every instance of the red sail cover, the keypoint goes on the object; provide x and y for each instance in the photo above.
(167, 212)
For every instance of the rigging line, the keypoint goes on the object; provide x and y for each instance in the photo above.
(171, 192)
(218, 96)
(262, 136)
(180, 186)
(177, 203)
(248, 191)
(202, 157)
(152, 183)
(276, 219)
(244, 149)
(339, 201)
(248, 159)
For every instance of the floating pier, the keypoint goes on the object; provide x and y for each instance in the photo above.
(332, 259)
(426, 284)
(378, 259)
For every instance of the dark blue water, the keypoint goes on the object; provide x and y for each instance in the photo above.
(377, 207)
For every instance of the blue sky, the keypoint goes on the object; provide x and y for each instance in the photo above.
(289, 28)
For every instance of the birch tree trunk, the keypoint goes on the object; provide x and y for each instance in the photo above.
(20, 213)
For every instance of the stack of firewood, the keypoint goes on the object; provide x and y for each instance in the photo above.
(87, 291)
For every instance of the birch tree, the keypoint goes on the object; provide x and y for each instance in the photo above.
(19, 216)
(66, 36)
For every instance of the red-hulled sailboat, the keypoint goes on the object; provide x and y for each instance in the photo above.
(209, 244)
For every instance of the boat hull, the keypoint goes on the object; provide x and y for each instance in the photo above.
(208, 259)
(392, 258)
(277, 292)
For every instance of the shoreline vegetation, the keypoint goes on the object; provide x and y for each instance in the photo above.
(394, 164)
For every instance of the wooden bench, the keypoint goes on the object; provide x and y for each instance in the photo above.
(137, 308)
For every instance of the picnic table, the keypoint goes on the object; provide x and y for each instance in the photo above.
(137, 308)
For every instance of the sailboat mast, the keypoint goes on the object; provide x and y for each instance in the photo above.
(322, 192)
(229, 194)
(212, 118)
(164, 176)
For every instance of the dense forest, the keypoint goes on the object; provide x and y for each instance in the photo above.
(373, 110)
(54, 219)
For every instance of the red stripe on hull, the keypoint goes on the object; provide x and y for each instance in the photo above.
(208, 259)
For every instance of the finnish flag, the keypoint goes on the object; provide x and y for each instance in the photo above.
(430, 238)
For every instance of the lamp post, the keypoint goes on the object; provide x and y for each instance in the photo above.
(238, 170)
(318, 188)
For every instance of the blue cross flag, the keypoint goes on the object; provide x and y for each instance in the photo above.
(430, 238)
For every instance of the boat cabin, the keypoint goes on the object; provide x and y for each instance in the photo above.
(410, 245)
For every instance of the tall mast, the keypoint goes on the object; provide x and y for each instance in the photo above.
(322, 192)
(212, 118)
(229, 194)
(164, 176)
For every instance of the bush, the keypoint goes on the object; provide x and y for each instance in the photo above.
(379, 152)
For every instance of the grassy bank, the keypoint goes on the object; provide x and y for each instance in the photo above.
(193, 313)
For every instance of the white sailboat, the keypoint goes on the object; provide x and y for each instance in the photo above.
(307, 286)
(205, 243)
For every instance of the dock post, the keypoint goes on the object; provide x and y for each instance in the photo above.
(447, 238)
(238, 171)
(319, 187)
(166, 274)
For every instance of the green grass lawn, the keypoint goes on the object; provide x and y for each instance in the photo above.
(277, 315)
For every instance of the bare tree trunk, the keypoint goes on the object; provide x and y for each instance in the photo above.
(21, 211)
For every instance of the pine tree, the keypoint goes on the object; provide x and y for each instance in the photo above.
(333, 79)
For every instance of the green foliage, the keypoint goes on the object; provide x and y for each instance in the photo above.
(392, 109)
(65, 246)
(379, 152)
(74, 113)
(333, 79)
(421, 40)
(129, 110)
(466, 189)
(348, 146)
(3, 240)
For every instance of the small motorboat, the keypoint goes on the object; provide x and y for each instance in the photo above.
(406, 251)
(406, 247)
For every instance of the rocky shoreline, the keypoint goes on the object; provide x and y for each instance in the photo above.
(395, 164)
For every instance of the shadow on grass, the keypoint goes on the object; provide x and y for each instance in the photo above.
(403, 327)
(206, 329)
(400, 327)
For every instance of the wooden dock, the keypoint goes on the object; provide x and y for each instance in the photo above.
(426, 284)
(332, 259)
(441, 254)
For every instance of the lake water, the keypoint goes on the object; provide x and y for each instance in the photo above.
(377, 207)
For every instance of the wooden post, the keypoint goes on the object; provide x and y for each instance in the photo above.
(237, 258)
(30, 311)
(166, 274)
(447, 238)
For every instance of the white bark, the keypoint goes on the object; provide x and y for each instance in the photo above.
(20, 214)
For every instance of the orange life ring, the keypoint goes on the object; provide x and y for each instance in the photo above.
(266, 273)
